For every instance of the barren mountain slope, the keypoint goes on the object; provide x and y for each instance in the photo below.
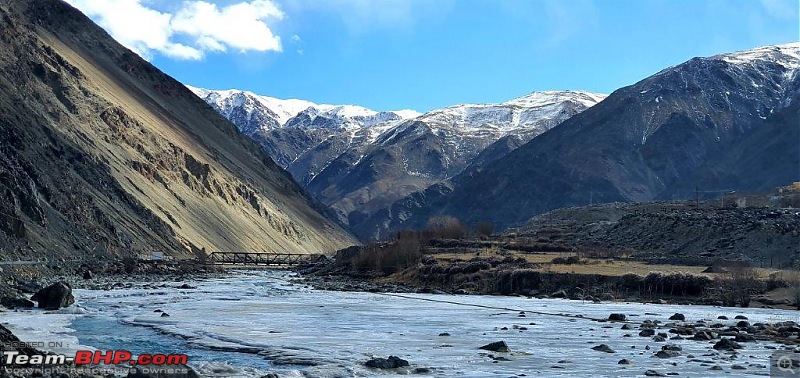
(100, 152)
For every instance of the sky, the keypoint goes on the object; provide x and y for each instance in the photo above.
(428, 54)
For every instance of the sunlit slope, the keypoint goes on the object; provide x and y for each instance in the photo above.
(166, 172)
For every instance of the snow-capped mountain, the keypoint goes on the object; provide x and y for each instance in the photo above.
(525, 112)
(253, 113)
(358, 160)
(729, 122)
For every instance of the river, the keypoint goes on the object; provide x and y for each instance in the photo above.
(254, 322)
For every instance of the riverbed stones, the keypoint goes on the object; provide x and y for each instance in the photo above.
(653, 373)
(55, 296)
(393, 362)
(624, 362)
(497, 346)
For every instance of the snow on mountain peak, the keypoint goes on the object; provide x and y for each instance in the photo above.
(545, 109)
(787, 55)
(285, 113)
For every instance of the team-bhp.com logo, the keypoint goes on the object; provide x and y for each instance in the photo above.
(86, 357)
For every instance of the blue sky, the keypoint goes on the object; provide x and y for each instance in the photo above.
(426, 54)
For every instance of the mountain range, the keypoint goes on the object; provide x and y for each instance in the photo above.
(103, 155)
(708, 126)
(359, 161)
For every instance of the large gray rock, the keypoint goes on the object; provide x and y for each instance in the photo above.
(13, 302)
(55, 296)
(497, 346)
(392, 362)
(727, 344)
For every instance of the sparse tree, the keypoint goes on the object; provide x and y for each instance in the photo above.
(485, 228)
(446, 227)
(739, 284)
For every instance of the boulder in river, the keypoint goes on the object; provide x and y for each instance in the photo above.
(497, 346)
(671, 347)
(727, 344)
(603, 348)
(55, 296)
(678, 316)
(703, 336)
(617, 317)
(392, 362)
(667, 353)
(647, 332)
(624, 362)
(743, 324)
(653, 373)
(14, 302)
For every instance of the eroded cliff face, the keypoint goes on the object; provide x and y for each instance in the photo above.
(102, 154)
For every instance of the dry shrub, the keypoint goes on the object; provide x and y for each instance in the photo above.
(485, 228)
(737, 285)
(389, 258)
(446, 227)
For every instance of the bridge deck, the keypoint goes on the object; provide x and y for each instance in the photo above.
(259, 258)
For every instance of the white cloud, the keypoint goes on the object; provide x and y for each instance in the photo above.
(241, 26)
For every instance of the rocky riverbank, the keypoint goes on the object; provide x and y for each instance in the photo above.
(50, 287)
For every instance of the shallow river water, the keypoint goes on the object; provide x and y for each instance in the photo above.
(255, 322)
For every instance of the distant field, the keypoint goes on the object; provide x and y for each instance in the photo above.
(606, 267)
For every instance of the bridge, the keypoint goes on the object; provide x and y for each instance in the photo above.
(261, 258)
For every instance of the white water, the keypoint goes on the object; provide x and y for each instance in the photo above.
(266, 322)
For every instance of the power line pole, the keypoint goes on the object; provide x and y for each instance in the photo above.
(697, 196)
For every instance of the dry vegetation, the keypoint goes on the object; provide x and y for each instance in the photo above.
(452, 257)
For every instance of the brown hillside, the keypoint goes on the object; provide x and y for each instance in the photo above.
(100, 152)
